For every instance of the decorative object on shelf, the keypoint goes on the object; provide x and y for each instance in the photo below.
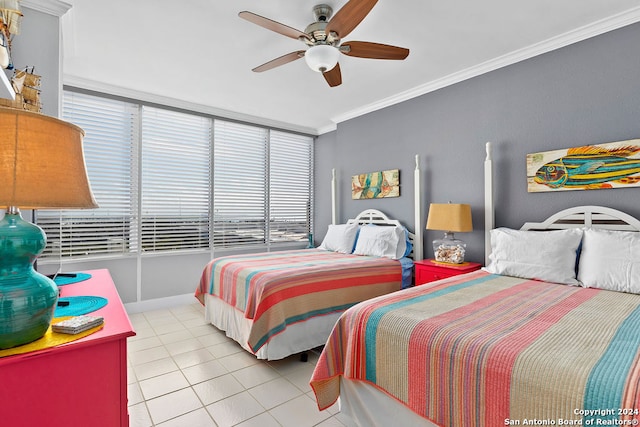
(450, 218)
(590, 167)
(10, 21)
(376, 185)
(42, 168)
(26, 85)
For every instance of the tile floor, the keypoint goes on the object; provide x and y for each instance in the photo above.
(185, 373)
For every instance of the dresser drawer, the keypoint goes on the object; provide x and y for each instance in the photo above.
(425, 276)
(429, 271)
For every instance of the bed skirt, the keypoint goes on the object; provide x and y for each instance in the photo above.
(298, 337)
(374, 408)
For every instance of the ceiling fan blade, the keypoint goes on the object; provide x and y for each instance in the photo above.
(272, 25)
(333, 76)
(374, 50)
(349, 16)
(284, 59)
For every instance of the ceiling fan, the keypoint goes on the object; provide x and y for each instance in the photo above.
(323, 38)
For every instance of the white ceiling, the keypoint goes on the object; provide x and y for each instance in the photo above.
(199, 54)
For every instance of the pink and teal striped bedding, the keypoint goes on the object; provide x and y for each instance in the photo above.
(490, 350)
(277, 289)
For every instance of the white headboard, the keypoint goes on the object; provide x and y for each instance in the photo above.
(587, 216)
(374, 216)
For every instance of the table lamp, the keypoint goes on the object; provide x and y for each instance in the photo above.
(41, 167)
(450, 218)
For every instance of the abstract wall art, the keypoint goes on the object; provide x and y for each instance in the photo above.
(376, 185)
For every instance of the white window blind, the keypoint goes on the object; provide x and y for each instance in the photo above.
(239, 184)
(176, 180)
(156, 175)
(289, 186)
(110, 150)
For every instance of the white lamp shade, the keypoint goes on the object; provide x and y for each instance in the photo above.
(322, 57)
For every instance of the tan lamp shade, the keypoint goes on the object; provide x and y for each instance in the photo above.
(42, 163)
(450, 217)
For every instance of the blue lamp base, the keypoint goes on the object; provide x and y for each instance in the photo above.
(27, 298)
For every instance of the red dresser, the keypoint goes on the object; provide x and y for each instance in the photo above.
(82, 383)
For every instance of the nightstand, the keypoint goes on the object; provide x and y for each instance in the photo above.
(429, 270)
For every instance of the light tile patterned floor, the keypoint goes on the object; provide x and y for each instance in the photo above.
(185, 373)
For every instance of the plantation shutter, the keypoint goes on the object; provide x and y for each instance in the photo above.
(110, 151)
(175, 180)
(290, 186)
(239, 184)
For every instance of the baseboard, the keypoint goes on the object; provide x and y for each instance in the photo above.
(159, 303)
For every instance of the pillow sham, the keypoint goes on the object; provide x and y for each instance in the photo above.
(610, 260)
(549, 256)
(382, 241)
(340, 238)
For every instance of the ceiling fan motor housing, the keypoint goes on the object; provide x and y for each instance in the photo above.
(316, 30)
(322, 12)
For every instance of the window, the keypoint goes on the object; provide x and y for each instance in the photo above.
(176, 180)
(167, 180)
(110, 149)
(262, 186)
(289, 187)
(239, 184)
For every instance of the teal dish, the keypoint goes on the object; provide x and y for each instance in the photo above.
(27, 298)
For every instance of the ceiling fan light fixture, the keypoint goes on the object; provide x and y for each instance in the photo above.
(321, 58)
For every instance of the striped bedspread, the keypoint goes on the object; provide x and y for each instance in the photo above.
(277, 289)
(489, 350)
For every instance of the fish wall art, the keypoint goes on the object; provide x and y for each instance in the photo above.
(376, 185)
(590, 167)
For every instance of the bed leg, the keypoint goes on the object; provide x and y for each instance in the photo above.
(304, 356)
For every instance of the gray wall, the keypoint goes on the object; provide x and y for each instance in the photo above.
(38, 45)
(586, 93)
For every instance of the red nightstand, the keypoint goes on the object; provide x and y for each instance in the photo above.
(429, 270)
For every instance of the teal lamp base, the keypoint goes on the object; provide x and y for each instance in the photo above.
(27, 298)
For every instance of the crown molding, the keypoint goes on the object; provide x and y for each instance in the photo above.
(614, 22)
(51, 7)
(327, 128)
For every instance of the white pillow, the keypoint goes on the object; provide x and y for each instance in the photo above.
(610, 260)
(382, 241)
(549, 256)
(340, 238)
